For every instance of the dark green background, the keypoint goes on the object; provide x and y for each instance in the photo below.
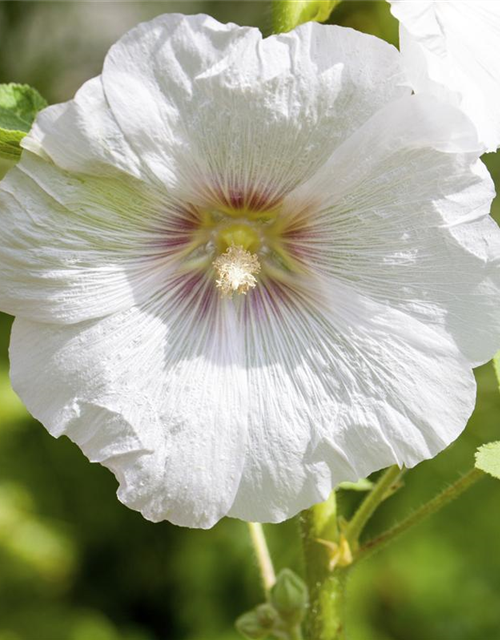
(77, 565)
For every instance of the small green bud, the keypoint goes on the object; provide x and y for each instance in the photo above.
(250, 626)
(266, 615)
(289, 596)
(288, 14)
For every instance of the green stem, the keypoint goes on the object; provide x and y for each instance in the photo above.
(369, 505)
(421, 514)
(296, 633)
(326, 588)
(263, 556)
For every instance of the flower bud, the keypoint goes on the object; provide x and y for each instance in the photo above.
(250, 626)
(288, 14)
(267, 615)
(289, 596)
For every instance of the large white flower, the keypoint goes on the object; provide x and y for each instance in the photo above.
(451, 49)
(245, 270)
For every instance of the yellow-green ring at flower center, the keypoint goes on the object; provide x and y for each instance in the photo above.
(238, 235)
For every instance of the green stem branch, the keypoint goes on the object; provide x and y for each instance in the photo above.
(422, 513)
(370, 504)
(263, 556)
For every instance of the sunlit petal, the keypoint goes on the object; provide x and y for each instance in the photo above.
(451, 50)
(228, 102)
(341, 386)
(158, 394)
(398, 216)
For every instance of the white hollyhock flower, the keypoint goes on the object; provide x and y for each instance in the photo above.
(245, 270)
(451, 49)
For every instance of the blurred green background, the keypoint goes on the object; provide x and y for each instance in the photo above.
(77, 565)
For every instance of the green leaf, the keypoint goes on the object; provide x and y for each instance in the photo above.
(288, 14)
(488, 459)
(19, 104)
(360, 485)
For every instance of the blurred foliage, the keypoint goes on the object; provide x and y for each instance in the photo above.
(77, 565)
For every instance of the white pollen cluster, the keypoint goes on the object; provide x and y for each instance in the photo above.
(235, 268)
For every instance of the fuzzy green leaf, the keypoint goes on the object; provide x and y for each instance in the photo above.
(19, 104)
(488, 459)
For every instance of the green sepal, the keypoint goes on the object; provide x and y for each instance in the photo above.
(19, 104)
(496, 366)
(266, 615)
(488, 459)
(250, 626)
(288, 14)
(360, 485)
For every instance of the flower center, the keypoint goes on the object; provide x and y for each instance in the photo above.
(236, 268)
(233, 246)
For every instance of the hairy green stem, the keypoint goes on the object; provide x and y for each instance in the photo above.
(263, 556)
(296, 634)
(325, 620)
(422, 513)
(370, 504)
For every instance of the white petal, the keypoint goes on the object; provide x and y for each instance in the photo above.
(218, 108)
(451, 50)
(165, 401)
(339, 389)
(399, 215)
(157, 394)
(82, 135)
(75, 246)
